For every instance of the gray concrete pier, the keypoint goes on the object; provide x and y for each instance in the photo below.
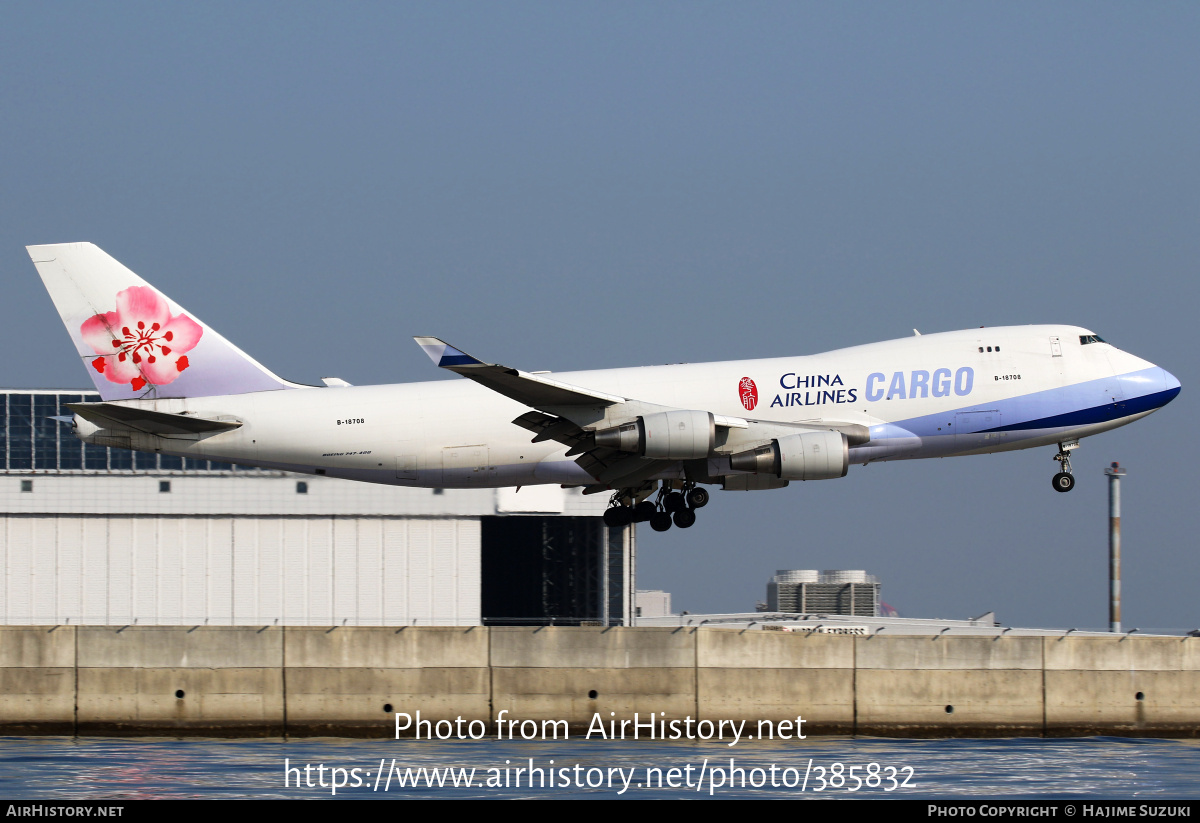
(349, 681)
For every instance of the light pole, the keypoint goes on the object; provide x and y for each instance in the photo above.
(1115, 473)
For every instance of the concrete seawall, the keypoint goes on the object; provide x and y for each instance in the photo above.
(348, 681)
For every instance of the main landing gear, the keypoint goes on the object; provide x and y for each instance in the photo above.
(1064, 481)
(676, 507)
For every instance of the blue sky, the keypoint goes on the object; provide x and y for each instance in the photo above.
(572, 185)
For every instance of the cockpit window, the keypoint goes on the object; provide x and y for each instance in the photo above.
(1084, 339)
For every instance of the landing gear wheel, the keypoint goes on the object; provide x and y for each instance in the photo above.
(660, 522)
(684, 518)
(1063, 482)
(697, 498)
(618, 517)
(643, 511)
(674, 502)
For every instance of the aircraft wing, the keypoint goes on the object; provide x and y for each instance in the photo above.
(163, 424)
(571, 415)
(553, 421)
(607, 466)
(530, 389)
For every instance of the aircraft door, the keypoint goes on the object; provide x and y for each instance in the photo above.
(1058, 364)
(410, 459)
(406, 467)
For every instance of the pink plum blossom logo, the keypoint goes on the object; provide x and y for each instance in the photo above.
(141, 342)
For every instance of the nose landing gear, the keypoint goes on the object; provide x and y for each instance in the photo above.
(1064, 481)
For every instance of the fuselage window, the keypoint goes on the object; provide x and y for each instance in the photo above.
(1084, 339)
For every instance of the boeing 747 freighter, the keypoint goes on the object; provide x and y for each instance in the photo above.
(652, 437)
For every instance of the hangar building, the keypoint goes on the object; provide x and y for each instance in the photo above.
(106, 536)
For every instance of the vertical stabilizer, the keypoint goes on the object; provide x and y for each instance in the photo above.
(134, 340)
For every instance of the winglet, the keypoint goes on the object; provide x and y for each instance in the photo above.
(444, 355)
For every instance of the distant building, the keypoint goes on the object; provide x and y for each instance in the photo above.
(807, 591)
(653, 603)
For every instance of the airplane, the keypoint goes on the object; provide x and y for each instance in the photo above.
(652, 437)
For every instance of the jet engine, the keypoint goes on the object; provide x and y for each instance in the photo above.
(816, 455)
(672, 435)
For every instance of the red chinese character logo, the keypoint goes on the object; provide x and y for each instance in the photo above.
(749, 393)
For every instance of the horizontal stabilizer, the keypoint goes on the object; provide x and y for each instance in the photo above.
(150, 422)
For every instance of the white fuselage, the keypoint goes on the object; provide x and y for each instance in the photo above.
(963, 392)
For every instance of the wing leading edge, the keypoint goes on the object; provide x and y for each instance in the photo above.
(530, 389)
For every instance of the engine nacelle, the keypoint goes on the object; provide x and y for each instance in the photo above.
(818, 455)
(673, 435)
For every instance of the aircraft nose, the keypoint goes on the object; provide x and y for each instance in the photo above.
(1170, 381)
(1171, 386)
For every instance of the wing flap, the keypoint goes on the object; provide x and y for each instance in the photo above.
(548, 427)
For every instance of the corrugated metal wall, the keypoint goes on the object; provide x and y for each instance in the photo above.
(248, 571)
